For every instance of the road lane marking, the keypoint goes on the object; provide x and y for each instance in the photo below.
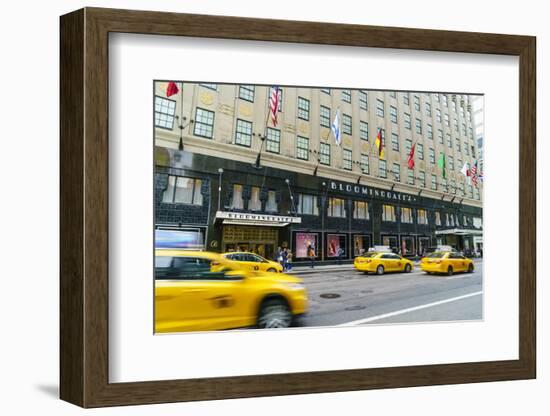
(414, 308)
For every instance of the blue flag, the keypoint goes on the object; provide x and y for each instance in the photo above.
(335, 127)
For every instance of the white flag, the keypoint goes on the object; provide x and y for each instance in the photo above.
(335, 127)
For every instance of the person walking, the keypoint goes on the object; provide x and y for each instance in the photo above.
(288, 260)
(340, 254)
(311, 255)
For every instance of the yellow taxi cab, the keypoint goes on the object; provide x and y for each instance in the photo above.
(203, 291)
(447, 262)
(254, 262)
(382, 262)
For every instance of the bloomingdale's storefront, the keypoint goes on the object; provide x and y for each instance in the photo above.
(259, 210)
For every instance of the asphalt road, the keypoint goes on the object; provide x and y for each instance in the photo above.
(358, 299)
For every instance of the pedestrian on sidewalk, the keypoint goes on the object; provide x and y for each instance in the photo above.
(340, 254)
(311, 255)
(288, 260)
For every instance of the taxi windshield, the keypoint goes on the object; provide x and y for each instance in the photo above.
(369, 254)
(436, 255)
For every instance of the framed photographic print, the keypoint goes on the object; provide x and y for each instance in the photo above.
(255, 207)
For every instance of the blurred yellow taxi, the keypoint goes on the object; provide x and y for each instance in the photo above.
(382, 262)
(253, 262)
(447, 262)
(203, 291)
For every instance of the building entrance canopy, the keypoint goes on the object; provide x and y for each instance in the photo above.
(458, 231)
(245, 218)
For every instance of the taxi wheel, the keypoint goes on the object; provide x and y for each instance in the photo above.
(380, 270)
(450, 271)
(274, 313)
(471, 268)
(272, 270)
(407, 268)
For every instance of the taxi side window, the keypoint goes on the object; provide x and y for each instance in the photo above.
(187, 268)
(387, 256)
(252, 257)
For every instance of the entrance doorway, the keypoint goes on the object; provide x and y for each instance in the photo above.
(259, 240)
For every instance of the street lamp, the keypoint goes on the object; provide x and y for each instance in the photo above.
(258, 158)
(220, 171)
(291, 196)
(180, 121)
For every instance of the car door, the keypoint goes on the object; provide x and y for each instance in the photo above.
(388, 262)
(190, 297)
(398, 262)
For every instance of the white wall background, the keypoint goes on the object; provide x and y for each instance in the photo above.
(29, 210)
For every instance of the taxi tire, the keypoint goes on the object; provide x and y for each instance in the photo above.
(450, 271)
(274, 313)
(407, 268)
(380, 270)
(470, 268)
(272, 270)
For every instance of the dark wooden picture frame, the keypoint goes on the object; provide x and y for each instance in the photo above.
(84, 207)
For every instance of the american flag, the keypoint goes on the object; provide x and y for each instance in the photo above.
(274, 104)
(473, 173)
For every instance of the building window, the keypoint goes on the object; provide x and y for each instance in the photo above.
(363, 130)
(466, 149)
(440, 136)
(346, 96)
(459, 164)
(405, 98)
(246, 92)
(434, 182)
(449, 141)
(393, 94)
(478, 195)
(396, 172)
(445, 185)
(406, 215)
(346, 124)
(430, 132)
(395, 141)
(410, 176)
(363, 100)
(165, 111)
(416, 102)
(204, 123)
(324, 116)
(461, 188)
(428, 108)
(418, 126)
(379, 108)
(346, 159)
(447, 122)
(407, 119)
(255, 204)
(422, 216)
(365, 164)
(303, 108)
(210, 86)
(431, 153)
(393, 114)
(382, 169)
(237, 201)
(324, 153)
(273, 143)
(438, 115)
(451, 162)
(326, 90)
(456, 124)
(271, 203)
(457, 143)
(302, 148)
(422, 178)
(471, 191)
(453, 186)
(307, 205)
(388, 213)
(360, 210)
(436, 97)
(437, 218)
(477, 222)
(243, 133)
(336, 208)
(420, 148)
(408, 146)
(445, 100)
(183, 190)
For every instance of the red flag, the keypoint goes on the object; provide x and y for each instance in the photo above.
(410, 163)
(171, 89)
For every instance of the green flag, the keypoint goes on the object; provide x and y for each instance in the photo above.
(441, 164)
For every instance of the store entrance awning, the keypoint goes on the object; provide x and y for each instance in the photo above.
(246, 218)
(459, 231)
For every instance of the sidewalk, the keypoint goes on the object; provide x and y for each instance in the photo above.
(306, 269)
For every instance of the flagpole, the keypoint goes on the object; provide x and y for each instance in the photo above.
(264, 137)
